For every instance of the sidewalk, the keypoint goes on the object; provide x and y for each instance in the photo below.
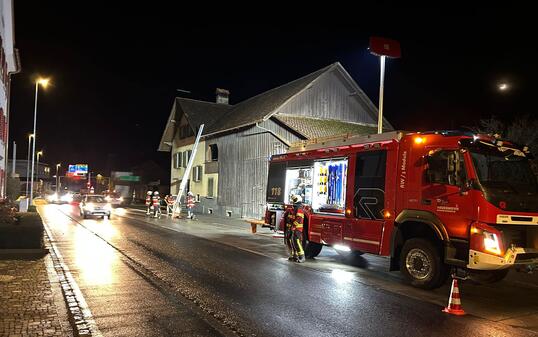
(31, 302)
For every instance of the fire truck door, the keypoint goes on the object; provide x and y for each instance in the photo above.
(441, 192)
(368, 202)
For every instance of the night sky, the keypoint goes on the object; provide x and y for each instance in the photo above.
(115, 71)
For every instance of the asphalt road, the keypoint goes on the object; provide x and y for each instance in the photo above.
(144, 280)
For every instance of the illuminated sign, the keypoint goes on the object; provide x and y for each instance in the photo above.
(77, 170)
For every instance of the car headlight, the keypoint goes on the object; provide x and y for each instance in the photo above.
(486, 239)
(67, 198)
(491, 243)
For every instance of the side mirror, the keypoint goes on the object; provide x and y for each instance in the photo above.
(466, 186)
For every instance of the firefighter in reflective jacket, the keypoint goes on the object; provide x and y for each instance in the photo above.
(156, 201)
(190, 205)
(294, 219)
(148, 202)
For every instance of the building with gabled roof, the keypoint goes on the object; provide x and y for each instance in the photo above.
(230, 169)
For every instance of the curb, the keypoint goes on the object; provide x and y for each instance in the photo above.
(78, 314)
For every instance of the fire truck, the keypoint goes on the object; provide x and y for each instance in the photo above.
(433, 202)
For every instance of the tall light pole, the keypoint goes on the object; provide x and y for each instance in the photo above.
(30, 136)
(44, 82)
(39, 153)
(57, 177)
(383, 48)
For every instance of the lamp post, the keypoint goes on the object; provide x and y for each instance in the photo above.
(39, 153)
(44, 82)
(57, 177)
(30, 136)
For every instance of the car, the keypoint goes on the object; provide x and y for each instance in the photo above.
(115, 199)
(95, 205)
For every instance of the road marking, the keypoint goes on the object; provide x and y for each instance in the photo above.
(85, 324)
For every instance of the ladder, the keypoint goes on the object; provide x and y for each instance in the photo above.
(177, 203)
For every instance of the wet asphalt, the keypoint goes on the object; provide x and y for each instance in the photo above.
(143, 280)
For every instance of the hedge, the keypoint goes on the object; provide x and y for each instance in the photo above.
(26, 232)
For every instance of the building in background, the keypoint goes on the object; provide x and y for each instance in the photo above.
(44, 182)
(229, 174)
(9, 64)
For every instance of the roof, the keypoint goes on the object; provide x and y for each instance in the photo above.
(312, 128)
(262, 106)
(196, 112)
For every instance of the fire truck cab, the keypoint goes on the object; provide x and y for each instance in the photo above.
(429, 201)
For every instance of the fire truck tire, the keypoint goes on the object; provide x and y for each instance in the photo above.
(488, 276)
(421, 264)
(311, 249)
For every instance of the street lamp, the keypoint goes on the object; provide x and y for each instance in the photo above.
(39, 153)
(44, 82)
(57, 177)
(30, 136)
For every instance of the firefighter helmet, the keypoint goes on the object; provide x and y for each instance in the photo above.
(149, 193)
(296, 198)
(156, 193)
(190, 193)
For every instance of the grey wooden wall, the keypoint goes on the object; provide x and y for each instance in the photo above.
(330, 97)
(243, 166)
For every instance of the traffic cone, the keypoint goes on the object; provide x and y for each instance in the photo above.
(454, 302)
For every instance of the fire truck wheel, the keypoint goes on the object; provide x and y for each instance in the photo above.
(488, 276)
(311, 249)
(421, 264)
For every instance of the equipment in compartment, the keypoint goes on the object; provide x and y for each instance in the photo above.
(329, 185)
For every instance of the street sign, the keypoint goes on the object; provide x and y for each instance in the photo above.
(129, 178)
(381, 46)
(77, 170)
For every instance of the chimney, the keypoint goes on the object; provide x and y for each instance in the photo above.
(222, 96)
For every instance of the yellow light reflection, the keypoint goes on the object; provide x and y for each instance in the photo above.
(120, 211)
(94, 258)
(342, 276)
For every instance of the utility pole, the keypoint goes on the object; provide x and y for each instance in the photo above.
(14, 159)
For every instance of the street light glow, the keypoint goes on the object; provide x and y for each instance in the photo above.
(503, 86)
(43, 81)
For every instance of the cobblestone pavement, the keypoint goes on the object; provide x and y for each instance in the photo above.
(30, 304)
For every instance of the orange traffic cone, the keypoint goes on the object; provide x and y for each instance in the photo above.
(454, 302)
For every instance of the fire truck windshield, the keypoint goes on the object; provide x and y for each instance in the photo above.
(507, 173)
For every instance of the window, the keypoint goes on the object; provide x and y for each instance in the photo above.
(197, 173)
(213, 152)
(210, 187)
(446, 167)
(369, 196)
(177, 160)
(185, 156)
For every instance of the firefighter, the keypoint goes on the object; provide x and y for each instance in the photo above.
(294, 219)
(156, 201)
(297, 229)
(169, 204)
(149, 195)
(190, 205)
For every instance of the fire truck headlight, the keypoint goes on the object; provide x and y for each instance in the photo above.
(491, 243)
(342, 248)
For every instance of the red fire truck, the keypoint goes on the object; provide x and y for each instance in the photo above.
(429, 201)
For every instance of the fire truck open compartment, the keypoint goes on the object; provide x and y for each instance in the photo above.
(321, 185)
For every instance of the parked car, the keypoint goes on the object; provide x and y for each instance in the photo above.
(95, 205)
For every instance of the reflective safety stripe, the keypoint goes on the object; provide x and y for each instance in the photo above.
(300, 246)
(301, 215)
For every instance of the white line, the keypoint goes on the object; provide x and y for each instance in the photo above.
(80, 298)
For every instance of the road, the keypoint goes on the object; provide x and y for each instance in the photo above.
(145, 280)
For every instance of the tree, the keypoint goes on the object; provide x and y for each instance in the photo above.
(522, 130)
